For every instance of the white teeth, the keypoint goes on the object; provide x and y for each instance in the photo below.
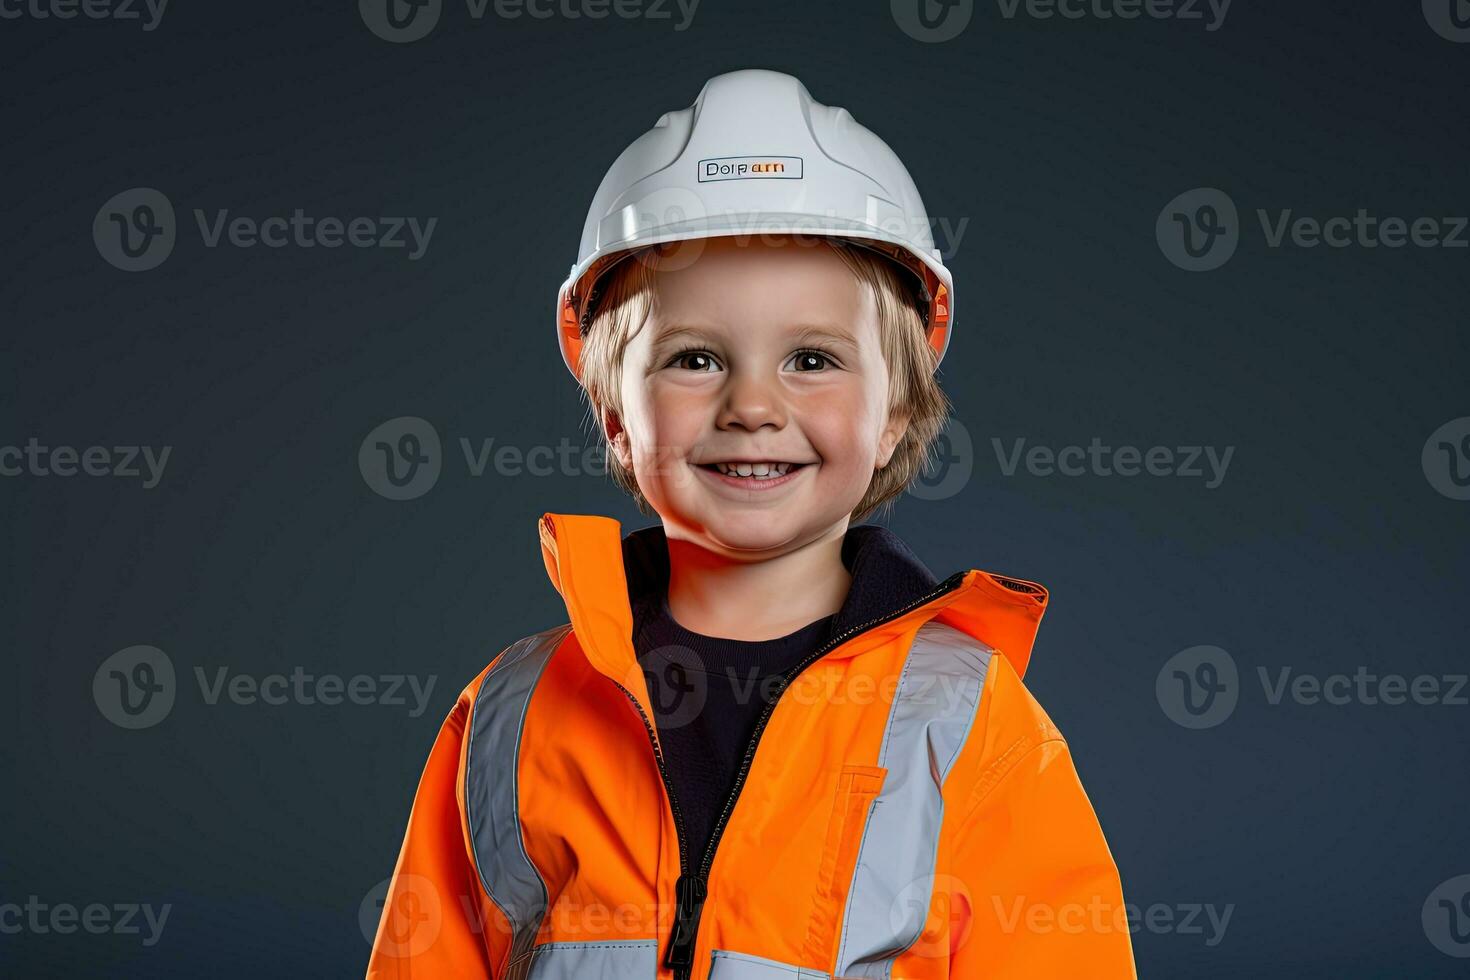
(761, 471)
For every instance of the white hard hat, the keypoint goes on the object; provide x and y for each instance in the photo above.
(755, 154)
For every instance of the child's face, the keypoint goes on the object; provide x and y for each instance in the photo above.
(776, 358)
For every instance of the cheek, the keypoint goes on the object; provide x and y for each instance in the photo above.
(843, 416)
(669, 416)
(843, 428)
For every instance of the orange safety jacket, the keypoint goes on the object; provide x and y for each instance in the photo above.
(906, 810)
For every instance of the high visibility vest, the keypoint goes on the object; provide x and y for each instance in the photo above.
(906, 810)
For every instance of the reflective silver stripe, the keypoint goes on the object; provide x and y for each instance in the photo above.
(726, 965)
(928, 723)
(491, 791)
(610, 960)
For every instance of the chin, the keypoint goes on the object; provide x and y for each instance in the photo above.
(768, 531)
(753, 530)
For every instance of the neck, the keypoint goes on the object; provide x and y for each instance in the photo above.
(715, 595)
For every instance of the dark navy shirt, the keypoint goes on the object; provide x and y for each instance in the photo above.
(708, 692)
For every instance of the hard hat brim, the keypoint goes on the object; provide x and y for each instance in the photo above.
(577, 289)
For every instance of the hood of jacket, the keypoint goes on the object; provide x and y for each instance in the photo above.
(598, 572)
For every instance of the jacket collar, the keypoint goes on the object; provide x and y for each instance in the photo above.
(886, 575)
(597, 570)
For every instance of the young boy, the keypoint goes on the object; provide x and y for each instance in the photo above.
(769, 743)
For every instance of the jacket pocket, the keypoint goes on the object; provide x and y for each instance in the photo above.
(852, 805)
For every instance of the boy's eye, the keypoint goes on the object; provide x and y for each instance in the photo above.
(808, 357)
(683, 358)
(695, 359)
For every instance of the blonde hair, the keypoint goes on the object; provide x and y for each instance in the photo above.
(625, 299)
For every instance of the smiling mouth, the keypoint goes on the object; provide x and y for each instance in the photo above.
(769, 470)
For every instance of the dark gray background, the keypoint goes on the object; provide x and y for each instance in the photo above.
(1326, 547)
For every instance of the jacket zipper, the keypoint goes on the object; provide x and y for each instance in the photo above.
(690, 890)
(684, 899)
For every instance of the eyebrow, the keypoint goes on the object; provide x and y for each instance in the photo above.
(810, 332)
(803, 333)
(668, 335)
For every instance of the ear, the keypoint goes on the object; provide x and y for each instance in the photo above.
(891, 436)
(617, 438)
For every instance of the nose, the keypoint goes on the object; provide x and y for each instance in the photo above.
(752, 401)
